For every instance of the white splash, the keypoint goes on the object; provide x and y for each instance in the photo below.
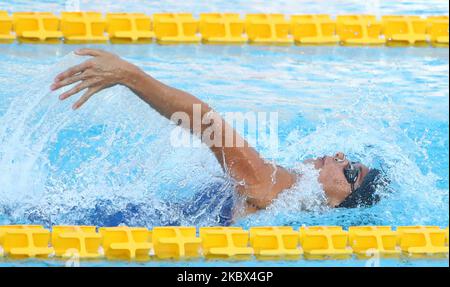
(306, 195)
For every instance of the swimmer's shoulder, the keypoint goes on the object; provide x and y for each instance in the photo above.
(260, 196)
(264, 194)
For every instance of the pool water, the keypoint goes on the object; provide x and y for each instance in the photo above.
(112, 160)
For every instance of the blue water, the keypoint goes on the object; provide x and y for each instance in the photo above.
(387, 107)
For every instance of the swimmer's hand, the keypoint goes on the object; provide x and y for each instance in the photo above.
(102, 71)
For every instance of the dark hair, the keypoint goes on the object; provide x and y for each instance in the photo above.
(365, 195)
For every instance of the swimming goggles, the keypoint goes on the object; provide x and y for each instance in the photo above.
(351, 173)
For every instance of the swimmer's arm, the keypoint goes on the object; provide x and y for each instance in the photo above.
(261, 181)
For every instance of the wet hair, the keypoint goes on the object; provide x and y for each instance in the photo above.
(366, 195)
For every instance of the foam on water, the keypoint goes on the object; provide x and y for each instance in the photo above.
(306, 195)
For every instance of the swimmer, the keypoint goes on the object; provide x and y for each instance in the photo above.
(346, 184)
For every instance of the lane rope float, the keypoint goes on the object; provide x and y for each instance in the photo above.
(184, 242)
(224, 29)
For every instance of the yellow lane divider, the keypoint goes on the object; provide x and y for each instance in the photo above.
(129, 28)
(21, 241)
(126, 242)
(176, 242)
(6, 27)
(36, 26)
(69, 241)
(367, 241)
(360, 30)
(275, 241)
(325, 241)
(225, 242)
(81, 27)
(272, 29)
(224, 28)
(314, 29)
(271, 242)
(438, 29)
(171, 28)
(421, 241)
(405, 29)
(218, 28)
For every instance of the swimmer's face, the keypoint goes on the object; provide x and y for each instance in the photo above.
(332, 177)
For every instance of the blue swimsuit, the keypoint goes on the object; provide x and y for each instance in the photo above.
(212, 200)
(213, 206)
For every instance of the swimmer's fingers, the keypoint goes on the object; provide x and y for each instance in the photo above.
(90, 92)
(73, 71)
(75, 90)
(70, 80)
(89, 52)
